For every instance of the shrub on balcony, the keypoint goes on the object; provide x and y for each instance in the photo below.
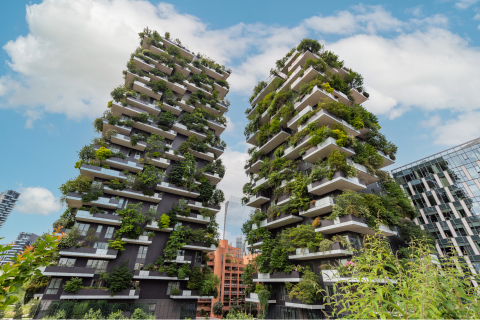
(331, 59)
(118, 279)
(132, 219)
(309, 44)
(148, 178)
(115, 184)
(307, 289)
(91, 196)
(164, 221)
(257, 89)
(116, 244)
(303, 237)
(183, 271)
(80, 184)
(177, 77)
(73, 285)
(118, 93)
(166, 120)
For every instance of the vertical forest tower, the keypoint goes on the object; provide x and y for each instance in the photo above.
(141, 214)
(315, 181)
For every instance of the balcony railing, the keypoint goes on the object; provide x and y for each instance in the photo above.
(351, 223)
(99, 294)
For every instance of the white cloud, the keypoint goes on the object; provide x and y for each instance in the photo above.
(432, 122)
(464, 4)
(459, 130)
(415, 11)
(37, 200)
(477, 17)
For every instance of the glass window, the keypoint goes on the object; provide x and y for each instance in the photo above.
(431, 199)
(82, 227)
(138, 266)
(120, 202)
(473, 187)
(443, 180)
(473, 172)
(97, 185)
(432, 183)
(100, 245)
(442, 196)
(109, 233)
(99, 229)
(114, 148)
(99, 265)
(459, 209)
(456, 161)
(172, 285)
(418, 186)
(142, 252)
(66, 262)
(137, 155)
(53, 286)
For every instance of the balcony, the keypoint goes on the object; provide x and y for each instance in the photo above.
(208, 107)
(84, 252)
(101, 218)
(183, 70)
(60, 271)
(194, 69)
(363, 133)
(144, 105)
(297, 303)
(308, 75)
(118, 109)
(175, 109)
(357, 96)
(161, 162)
(363, 173)
(141, 64)
(170, 154)
(171, 188)
(293, 152)
(255, 168)
(351, 223)
(321, 206)
(301, 59)
(271, 81)
(280, 221)
(150, 127)
(253, 297)
(185, 52)
(199, 246)
(74, 200)
(160, 66)
(181, 259)
(201, 155)
(131, 76)
(193, 217)
(323, 149)
(256, 245)
(143, 88)
(213, 73)
(185, 106)
(273, 142)
(189, 294)
(386, 160)
(311, 99)
(175, 87)
(134, 194)
(217, 126)
(180, 128)
(119, 163)
(214, 178)
(123, 140)
(261, 182)
(93, 172)
(194, 88)
(293, 276)
(223, 106)
(253, 138)
(99, 294)
(293, 123)
(290, 80)
(257, 200)
(222, 91)
(325, 118)
(140, 240)
(154, 226)
(120, 129)
(338, 182)
(154, 275)
(195, 205)
(336, 250)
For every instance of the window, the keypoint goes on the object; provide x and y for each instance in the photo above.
(53, 286)
(443, 180)
(129, 154)
(442, 196)
(100, 245)
(431, 199)
(124, 117)
(473, 187)
(96, 283)
(142, 252)
(114, 148)
(460, 210)
(120, 202)
(99, 229)
(138, 266)
(153, 207)
(99, 265)
(66, 262)
(137, 155)
(109, 233)
(134, 284)
(82, 227)
(172, 285)
(180, 253)
(198, 257)
(97, 185)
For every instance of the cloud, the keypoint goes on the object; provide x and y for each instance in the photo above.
(432, 122)
(456, 131)
(37, 200)
(464, 4)
(415, 11)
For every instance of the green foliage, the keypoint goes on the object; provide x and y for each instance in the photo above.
(93, 314)
(118, 93)
(378, 140)
(307, 289)
(206, 191)
(196, 279)
(91, 196)
(166, 119)
(132, 219)
(172, 270)
(148, 178)
(309, 44)
(73, 285)
(257, 89)
(116, 244)
(217, 308)
(175, 242)
(80, 184)
(17, 311)
(140, 314)
(87, 153)
(116, 315)
(184, 271)
(302, 236)
(164, 221)
(119, 278)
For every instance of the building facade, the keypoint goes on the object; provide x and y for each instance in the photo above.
(445, 190)
(24, 239)
(151, 197)
(236, 214)
(8, 199)
(228, 266)
(313, 142)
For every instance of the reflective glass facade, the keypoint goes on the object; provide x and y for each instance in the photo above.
(8, 199)
(445, 189)
(236, 214)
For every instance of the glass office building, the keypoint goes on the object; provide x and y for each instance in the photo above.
(236, 214)
(445, 190)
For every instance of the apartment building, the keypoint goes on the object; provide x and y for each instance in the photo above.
(312, 144)
(8, 199)
(24, 239)
(445, 190)
(151, 189)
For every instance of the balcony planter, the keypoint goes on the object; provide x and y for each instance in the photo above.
(133, 194)
(122, 164)
(253, 297)
(338, 182)
(351, 223)
(171, 188)
(321, 206)
(74, 200)
(100, 294)
(58, 271)
(181, 259)
(102, 218)
(189, 294)
(257, 200)
(297, 303)
(193, 217)
(154, 275)
(144, 105)
(89, 253)
(323, 149)
(336, 250)
(283, 220)
(140, 240)
(293, 276)
(273, 142)
(195, 205)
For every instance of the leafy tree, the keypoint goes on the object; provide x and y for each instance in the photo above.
(93, 314)
(119, 278)
(103, 153)
(17, 310)
(306, 290)
(218, 308)
(309, 44)
(117, 315)
(73, 285)
(196, 279)
(132, 218)
(140, 314)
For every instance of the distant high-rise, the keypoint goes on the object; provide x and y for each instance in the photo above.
(236, 214)
(24, 239)
(239, 243)
(8, 199)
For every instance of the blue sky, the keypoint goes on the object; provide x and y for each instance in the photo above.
(61, 58)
